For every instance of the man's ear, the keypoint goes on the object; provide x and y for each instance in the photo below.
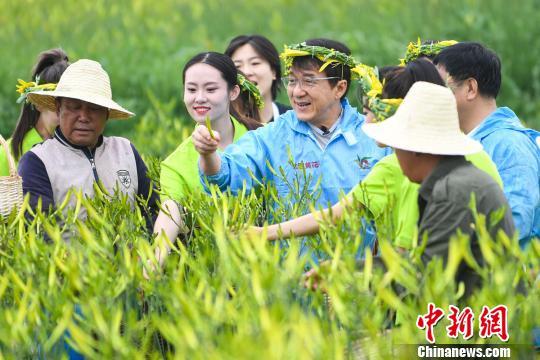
(58, 103)
(340, 88)
(471, 88)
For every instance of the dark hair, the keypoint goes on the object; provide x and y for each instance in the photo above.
(49, 68)
(245, 105)
(229, 73)
(398, 81)
(265, 49)
(472, 60)
(342, 72)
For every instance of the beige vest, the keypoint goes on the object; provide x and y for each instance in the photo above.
(68, 167)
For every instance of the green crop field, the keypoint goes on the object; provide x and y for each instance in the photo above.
(224, 292)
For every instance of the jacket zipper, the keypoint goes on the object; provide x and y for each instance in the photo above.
(90, 158)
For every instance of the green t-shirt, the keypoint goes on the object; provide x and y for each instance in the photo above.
(31, 138)
(392, 199)
(180, 170)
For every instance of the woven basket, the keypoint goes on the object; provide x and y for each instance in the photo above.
(11, 194)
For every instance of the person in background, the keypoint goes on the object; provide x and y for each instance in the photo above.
(35, 123)
(258, 59)
(473, 73)
(214, 90)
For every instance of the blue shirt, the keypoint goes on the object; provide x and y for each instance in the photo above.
(346, 160)
(515, 150)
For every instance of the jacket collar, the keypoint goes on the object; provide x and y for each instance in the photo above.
(501, 118)
(58, 135)
(445, 166)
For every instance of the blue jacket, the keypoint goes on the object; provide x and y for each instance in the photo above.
(347, 159)
(515, 150)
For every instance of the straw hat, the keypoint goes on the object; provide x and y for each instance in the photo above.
(83, 80)
(426, 122)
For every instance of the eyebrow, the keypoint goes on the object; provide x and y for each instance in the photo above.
(205, 84)
(249, 59)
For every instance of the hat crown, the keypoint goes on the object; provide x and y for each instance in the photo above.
(426, 122)
(430, 105)
(86, 76)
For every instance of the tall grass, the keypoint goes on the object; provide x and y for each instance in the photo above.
(225, 293)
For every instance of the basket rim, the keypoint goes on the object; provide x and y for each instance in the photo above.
(9, 156)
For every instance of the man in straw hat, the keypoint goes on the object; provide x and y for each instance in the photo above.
(79, 155)
(430, 148)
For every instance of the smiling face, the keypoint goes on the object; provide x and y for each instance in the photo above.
(318, 104)
(81, 122)
(255, 67)
(206, 93)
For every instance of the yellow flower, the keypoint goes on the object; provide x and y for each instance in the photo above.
(325, 65)
(446, 43)
(293, 53)
(393, 102)
(23, 85)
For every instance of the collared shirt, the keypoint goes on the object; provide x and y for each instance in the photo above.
(324, 137)
(443, 201)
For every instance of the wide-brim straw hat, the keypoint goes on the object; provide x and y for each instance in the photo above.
(83, 80)
(425, 122)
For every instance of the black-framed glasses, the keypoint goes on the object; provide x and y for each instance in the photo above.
(308, 82)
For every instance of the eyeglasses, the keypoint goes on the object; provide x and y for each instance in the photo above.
(309, 82)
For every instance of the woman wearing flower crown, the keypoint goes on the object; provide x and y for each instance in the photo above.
(218, 96)
(258, 59)
(35, 123)
(214, 90)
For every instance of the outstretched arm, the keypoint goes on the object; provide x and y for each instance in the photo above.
(307, 224)
(169, 224)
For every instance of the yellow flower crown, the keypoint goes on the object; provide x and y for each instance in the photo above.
(418, 49)
(366, 75)
(327, 56)
(251, 88)
(371, 86)
(24, 88)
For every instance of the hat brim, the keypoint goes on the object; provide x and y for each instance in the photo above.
(47, 99)
(394, 132)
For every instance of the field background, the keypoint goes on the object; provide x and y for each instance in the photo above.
(223, 293)
(144, 45)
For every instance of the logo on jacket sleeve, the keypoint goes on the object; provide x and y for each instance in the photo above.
(125, 179)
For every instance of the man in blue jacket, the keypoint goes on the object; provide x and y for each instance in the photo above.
(473, 72)
(322, 134)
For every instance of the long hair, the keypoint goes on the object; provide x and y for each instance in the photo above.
(229, 73)
(266, 50)
(49, 68)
